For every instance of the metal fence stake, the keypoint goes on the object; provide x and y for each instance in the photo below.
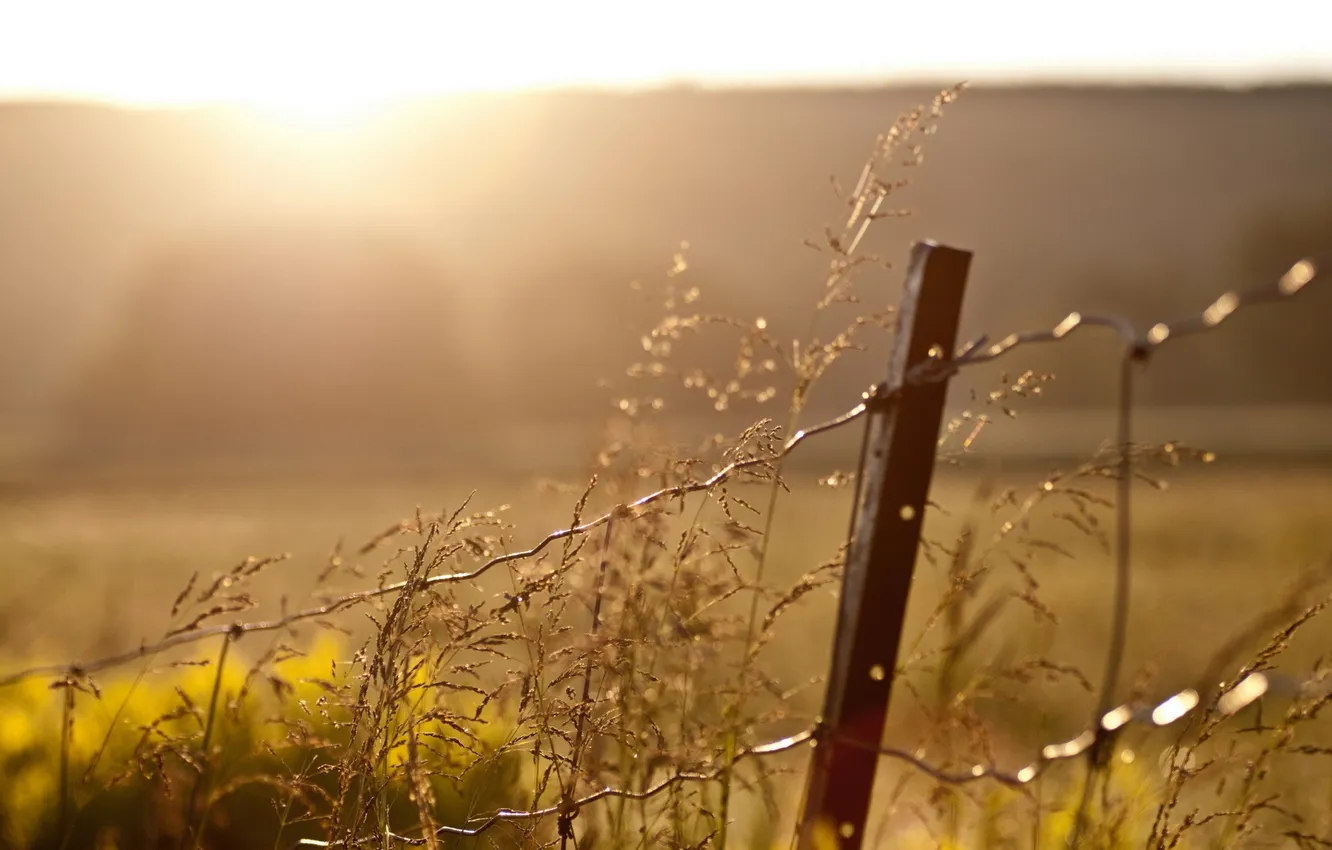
(903, 434)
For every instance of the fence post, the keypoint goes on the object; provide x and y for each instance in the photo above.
(900, 449)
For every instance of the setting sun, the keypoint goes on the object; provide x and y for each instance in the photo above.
(314, 109)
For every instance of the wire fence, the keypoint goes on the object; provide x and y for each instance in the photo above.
(1139, 344)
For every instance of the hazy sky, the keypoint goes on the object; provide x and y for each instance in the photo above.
(323, 53)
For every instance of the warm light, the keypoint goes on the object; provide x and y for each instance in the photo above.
(314, 65)
(317, 58)
(315, 110)
(1175, 707)
(1068, 749)
(1253, 687)
(1298, 275)
(1116, 718)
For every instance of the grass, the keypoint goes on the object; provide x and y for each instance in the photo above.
(617, 677)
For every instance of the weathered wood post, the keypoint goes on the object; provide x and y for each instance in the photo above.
(902, 439)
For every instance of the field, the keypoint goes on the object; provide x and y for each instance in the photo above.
(96, 571)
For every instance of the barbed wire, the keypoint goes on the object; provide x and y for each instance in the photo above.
(1168, 712)
(569, 808)
(1178, 706)
(1139, 345)
(937, 369)
(1142, 343)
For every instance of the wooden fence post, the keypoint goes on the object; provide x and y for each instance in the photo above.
(901, 446)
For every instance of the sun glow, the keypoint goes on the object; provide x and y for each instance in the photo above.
(333, 62)
(327, 111)
(326, 66)
(316, 110)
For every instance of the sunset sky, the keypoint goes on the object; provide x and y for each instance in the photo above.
(341, 55)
